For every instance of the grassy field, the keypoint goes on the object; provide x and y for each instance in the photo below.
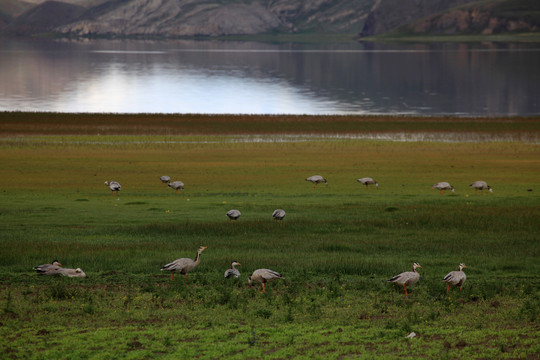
(336, 247)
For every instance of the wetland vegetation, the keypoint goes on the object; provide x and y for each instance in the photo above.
(336, 247)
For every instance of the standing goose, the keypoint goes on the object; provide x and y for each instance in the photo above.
(443, 186)
(456, 278)
(233, 271)
(316, 179)
(183, 265)
(165, 179)
(177, 185)
(114, 186)
(71, 272)
(368, 181)
(481, 185)
(48, 269)
(233, 214)
(407, 278)
(278, 214)
(263, 276)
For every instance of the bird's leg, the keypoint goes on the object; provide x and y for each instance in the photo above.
(367, 186)
(405, 290)
(172, 276)
(315, 186)
(176, 191)
(264, 287)
(442, 192)
(460, 288)
(185, 278)
(448, 289)
(475, 191)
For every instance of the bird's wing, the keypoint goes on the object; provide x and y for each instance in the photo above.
(270, 274)
(178, 264)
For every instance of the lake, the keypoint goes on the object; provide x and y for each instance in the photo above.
(185, 76)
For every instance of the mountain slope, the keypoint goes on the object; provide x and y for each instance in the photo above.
(493, 17)
(43, 18)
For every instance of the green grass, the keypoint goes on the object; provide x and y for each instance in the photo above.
(335, 248)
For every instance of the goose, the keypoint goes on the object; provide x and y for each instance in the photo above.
(233, 214)
(456, 278)
(233, 271)
(316, 179)
(114, 186)
(263, 276)
(184, 265)
(407, 278)
(48, 269)
(443, 186)
(177, 185)
(278, 214)
(368, 181)
(71, 272)
(165, 179)
(481, 185)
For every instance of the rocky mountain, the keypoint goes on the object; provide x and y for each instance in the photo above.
(405, 17)
(188, 18)
(182, 18)
(497, 17)
(43, 18)
(387, 15)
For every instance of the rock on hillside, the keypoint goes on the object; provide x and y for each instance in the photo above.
(481, 18)
(43, 18)
(386, 15)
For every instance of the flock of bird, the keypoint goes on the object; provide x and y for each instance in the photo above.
(185, 265)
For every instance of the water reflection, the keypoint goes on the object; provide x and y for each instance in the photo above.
(225, 77)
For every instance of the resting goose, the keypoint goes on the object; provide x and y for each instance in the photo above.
(233, 271)
(48, 269)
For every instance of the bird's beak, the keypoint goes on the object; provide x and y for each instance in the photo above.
(238, 264)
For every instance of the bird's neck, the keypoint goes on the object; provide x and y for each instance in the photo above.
(198, 258)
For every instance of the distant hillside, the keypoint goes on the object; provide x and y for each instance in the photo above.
(44, 18)
(188, 18)
(485, 17)
(387, 15)
(429, 17)
(179, 18)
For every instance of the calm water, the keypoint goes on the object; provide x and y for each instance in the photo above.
(253, 78)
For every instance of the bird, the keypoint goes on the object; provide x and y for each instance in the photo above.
(184, 265)
(233, 271)
(165, 179)
(71, 272)
(278, 214)
(233, 214)
(407, 278)
(456, 278)
(48, 269)
(316, 179)
(263, 276)
(368, 181)
(177, 185)
(443, 186)
(114, 186)
(481, 185)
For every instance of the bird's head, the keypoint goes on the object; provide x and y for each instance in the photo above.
(236, 263)
(416, 266)
(250, 282)
(462, 266)
(106, 183)
(377, 185)
(201, 249)
(452, 188)
(490, 189)
(56, 262)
